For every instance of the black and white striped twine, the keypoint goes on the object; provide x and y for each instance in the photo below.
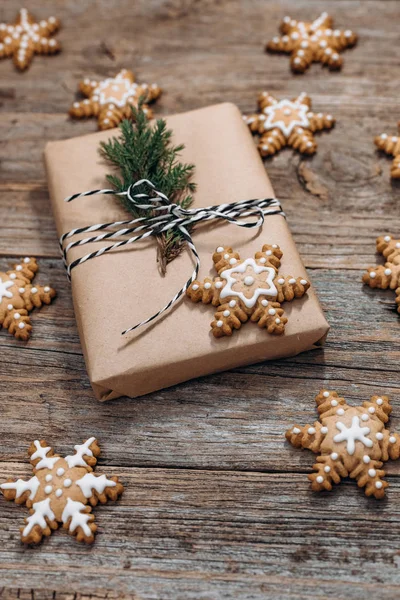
(171, 216)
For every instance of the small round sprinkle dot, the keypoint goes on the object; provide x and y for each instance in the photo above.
(13, 276)
(340, 411)
(387, 238)
(60, 472)
(303, 282)
(59, 493)
(320, 479)
(207, 285)
(334, 402)
(233, 261)
(10, 307)
(195, 287)
(278, 321)
(21, 290)
(388, 272)
(264, 302)
(48, 489)
(334, 456)
(34, 290)
(292, 281)
(379, 436)
(226, 256)
(326, 394)
(272, 312)
(232, 303)
(365, 417)
(379, 401)
(226, 313)
(268, 253)
(324, 430)
(311, 430)
(17, 315)
(218, 284)
(220, 249)
(366, 459)
(67, 482)
(281, 281)
(327, 469)
(21, 325)
(371, 410)
(372, 472)
(48, 477)
(378, 485)
(47, 289)
(392, 439)
(372, 274)
(296, 430)
(219, 323)
(263, 260)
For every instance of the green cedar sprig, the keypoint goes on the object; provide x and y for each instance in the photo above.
(145, 151)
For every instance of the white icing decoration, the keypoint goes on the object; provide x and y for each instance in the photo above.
(46, 462)
(272, 312)
(311, 430)
(60, 472)
(226, 256)
(81, 450)
(372, 472)
(352, 434)
(48, 489)
(67, 482)
(226, 313)
(392, 439)
(324, 430)
(59, 492)
(120, 84)
(72, 511)
(327, 469)
(220, 323)
(48, 477)
(91, 482)
(288, 107)
(20, 486)
(334, 402)
(296, 430)
(378, 485)
(379, 436)
(195, 287)
(4, 287)
(366, 459)
(320, 479)
(365, 417)
(42, 511)
(340, 411)
(232, 303)
(326, 394)
(264, 302)
(218, 285)
(241, 268)
(207, 285)
(220, 249)
(334, 456)
(371, 410)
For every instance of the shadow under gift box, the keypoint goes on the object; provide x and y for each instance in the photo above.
(117, 290)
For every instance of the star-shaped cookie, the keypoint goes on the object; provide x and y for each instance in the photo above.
(350, 441)
(111, 100)
(18, 297)
(312, 41)
(62, 490)
(391, 145)
(287, 123)
(25, 37)
(386, 276)
(248, 289)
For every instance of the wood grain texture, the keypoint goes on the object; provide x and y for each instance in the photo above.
(217, 504)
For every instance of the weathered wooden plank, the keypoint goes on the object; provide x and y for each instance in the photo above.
(343, 235)
(184, 534)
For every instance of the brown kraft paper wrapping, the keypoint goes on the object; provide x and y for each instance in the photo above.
(118, 290)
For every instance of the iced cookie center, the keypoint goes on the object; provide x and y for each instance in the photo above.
(248, 281)
(4, 289)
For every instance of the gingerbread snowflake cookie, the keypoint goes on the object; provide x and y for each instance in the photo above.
(312, 41)
(25, 37)
(62, 490)
(287, 123)
(386, 276)
(111, 100)
(248, 289)
(18, 297)
(391, 145)
(350, 441)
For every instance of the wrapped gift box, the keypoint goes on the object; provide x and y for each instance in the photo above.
(118, 290)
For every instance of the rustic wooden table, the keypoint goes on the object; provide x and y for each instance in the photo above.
(217, 505)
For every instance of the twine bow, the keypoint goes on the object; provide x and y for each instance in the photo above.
(164, 217)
